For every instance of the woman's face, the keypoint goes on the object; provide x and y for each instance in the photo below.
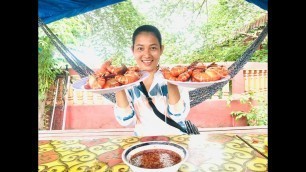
(147, 51)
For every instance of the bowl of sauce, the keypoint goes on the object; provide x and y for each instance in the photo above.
(157, 156)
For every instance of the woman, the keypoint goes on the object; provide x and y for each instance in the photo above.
(132, 108)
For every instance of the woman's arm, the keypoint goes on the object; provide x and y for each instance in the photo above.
(124, 113)
(121, 99)
(173, 94)
(180, 106)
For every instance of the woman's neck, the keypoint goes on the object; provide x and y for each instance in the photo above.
(148, 82)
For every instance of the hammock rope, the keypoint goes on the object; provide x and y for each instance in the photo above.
(197, 95)
(75, 63)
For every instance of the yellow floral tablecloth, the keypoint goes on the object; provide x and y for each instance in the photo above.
(207, 153)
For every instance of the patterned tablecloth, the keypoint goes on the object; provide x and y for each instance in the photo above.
(207, 153)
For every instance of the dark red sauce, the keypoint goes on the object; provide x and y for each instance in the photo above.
(155, 158)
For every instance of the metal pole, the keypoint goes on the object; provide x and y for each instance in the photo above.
(66, 102)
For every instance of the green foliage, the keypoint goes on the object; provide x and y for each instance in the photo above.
(205, 32)
(261, 55)
(229, 51)
(258, 114)
(202, 36)
(112, 29)
(209, 32)
(46, 72)
(49, 66)
(225, 17)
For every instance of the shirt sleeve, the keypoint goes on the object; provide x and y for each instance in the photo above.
(125, 116)
(179, 111)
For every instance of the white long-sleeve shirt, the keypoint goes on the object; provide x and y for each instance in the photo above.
(140, 114)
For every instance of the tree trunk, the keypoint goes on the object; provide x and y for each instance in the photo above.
(41, 111)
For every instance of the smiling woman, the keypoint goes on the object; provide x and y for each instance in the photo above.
(132, 107)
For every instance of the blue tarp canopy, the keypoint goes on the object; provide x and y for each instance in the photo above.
(261, 3)
(53, 10)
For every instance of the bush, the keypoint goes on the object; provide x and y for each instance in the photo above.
(258, 114)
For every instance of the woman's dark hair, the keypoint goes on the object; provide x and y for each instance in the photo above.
(147, 28)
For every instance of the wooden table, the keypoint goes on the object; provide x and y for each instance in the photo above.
(208, 152)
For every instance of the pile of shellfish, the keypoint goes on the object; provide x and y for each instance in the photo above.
(195, 72)
(109, 76)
